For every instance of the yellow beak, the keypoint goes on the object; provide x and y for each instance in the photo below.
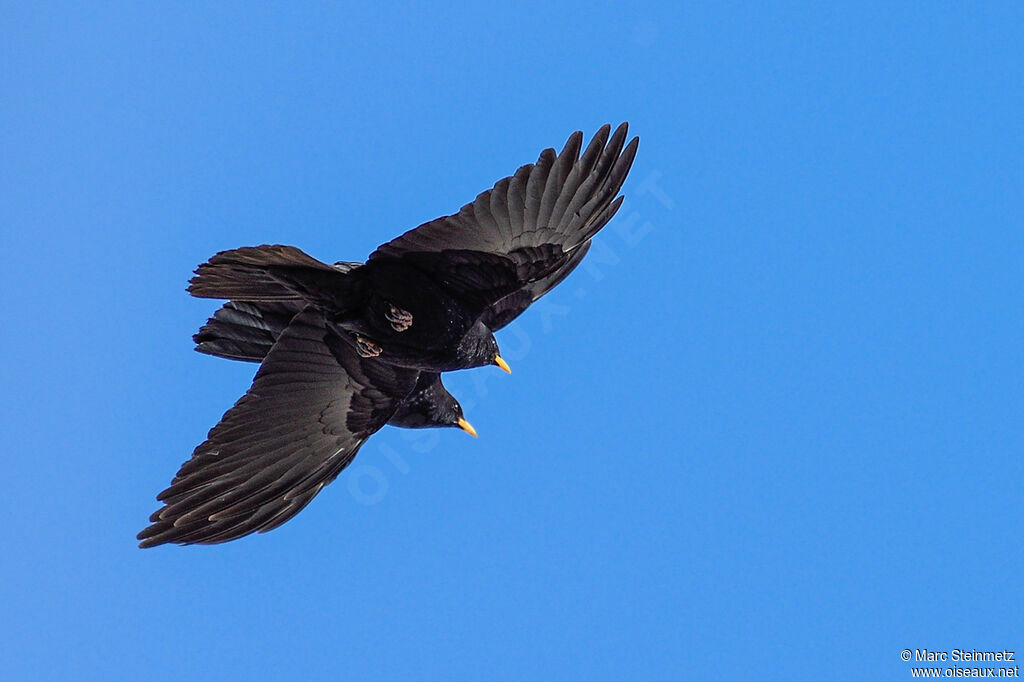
(501, 363)
(467, 427)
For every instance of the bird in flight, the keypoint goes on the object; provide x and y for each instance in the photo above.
(347, 348)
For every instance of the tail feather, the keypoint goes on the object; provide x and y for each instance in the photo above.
(245, 331)
(262, 273)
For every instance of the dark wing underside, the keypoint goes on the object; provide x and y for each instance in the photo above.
(312, 405)
(502, 312)
(560, 200)
(534, 219)
(479, 280)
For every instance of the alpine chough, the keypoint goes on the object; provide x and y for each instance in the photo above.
(338, 366)
(418, 300)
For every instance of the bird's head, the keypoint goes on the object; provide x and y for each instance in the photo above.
(429, 405)
(479, 348)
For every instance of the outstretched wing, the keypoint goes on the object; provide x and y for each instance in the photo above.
(560, 201)
(525, 228)
(312, 405)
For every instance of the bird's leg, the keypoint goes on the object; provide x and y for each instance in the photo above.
(367, 348)
(400, 319)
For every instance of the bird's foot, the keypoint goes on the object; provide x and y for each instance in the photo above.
(400, 320)
(367, 348)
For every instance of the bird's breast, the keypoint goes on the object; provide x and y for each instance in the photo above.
(407, 308)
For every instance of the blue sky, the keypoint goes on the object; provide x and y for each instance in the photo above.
(771, 430)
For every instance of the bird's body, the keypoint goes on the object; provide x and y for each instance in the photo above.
(443, 334)
(359, 304)
(348, 348)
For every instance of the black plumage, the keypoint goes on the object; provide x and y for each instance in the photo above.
(418, 300)
(312, 405)
(430, 405)
(348, 348)
(247, 331)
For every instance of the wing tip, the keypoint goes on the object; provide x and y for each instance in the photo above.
(572, 146)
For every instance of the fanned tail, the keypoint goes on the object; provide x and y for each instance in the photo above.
(245, 331)
(266, 273)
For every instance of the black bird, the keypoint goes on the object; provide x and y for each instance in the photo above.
(429, 405)
(418, 300)
(323, 387)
